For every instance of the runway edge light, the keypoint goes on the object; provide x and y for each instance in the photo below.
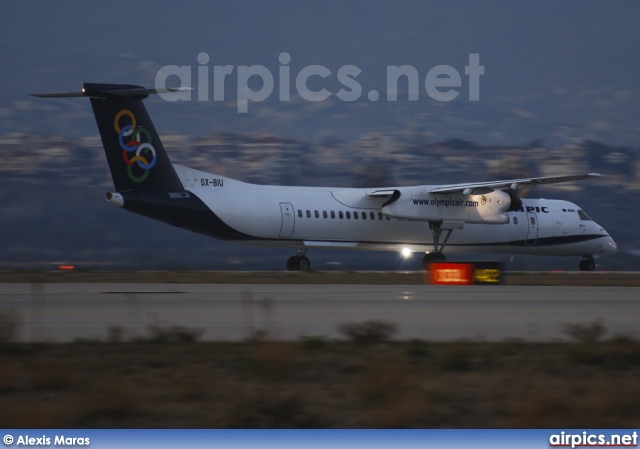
(451, 273)
(488, 273)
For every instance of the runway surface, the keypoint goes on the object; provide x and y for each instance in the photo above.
(232, 312)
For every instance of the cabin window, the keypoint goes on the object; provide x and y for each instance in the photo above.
(364, 215)
(308, 214)
(515, 220)
(324, 214)
(300, 213)
(333, 214)
(388, 218)
(316, 213)
(583, 215)
(348, 215)
(379, 215)
(372, 215)
(355, 215)
(341, 215)
(533, 221)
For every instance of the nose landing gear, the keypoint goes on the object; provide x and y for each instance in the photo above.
(436, 255)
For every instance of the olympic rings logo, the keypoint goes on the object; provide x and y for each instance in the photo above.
(134, 143)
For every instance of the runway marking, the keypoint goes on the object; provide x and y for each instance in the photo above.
(143, 292)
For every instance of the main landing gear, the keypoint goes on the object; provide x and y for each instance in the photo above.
(587, 264)
(299, 262)
(436, 255)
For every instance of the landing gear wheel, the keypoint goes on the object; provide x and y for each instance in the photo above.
(303, 264)
(436, 256)
(587, 264)
(298, 263)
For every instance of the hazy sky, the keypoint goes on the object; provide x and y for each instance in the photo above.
(567, 69)
(553, 70)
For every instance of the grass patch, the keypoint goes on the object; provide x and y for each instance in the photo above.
(368, 332)
(585, 332)
(9, 326)
(169, 334)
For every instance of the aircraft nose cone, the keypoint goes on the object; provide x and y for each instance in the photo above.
(609, 246)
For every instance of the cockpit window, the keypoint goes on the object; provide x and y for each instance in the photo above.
(583, 215)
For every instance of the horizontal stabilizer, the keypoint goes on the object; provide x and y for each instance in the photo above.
(60, 95)
(110, 90)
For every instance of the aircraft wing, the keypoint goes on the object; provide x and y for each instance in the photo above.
(475, 188)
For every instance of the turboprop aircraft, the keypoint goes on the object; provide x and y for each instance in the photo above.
(477, 217)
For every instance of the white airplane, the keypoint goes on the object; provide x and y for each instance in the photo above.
(480, 217)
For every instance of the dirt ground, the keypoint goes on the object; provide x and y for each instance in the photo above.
(320, 384)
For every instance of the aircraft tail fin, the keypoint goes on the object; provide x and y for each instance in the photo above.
(135, 154)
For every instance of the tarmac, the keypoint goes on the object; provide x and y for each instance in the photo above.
(62, 312)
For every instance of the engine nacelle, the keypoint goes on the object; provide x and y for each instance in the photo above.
(418, 204)
(115, 198)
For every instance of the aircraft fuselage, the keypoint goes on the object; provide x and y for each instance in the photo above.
(346, 218)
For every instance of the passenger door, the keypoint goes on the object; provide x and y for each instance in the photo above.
(288, 220)
(532, 230)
